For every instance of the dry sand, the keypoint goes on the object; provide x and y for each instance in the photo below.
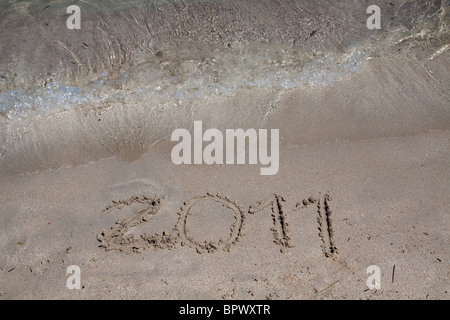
(364, 180)
(383, 174)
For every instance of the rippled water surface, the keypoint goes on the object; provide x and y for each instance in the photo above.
(149, 52)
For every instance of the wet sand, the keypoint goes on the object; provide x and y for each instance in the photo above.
(363, 180)
(388, 189)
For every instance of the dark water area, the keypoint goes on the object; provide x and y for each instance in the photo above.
(149, 52)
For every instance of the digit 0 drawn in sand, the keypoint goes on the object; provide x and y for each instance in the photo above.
(326, 232)
(116, 238)
(211, 246)
(119, 237)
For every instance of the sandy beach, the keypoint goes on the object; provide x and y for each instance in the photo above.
(363, 179)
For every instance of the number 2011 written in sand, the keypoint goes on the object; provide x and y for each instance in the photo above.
(121, 238)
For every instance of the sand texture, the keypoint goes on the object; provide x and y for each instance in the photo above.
(364, 176)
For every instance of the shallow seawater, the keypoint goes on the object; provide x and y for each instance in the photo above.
(150, 52)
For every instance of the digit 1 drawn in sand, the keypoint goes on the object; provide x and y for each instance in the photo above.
(325, 222)
(211, 246)
(116, 239)
(280, 229)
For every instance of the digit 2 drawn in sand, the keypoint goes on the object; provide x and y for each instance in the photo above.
(118, 237)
